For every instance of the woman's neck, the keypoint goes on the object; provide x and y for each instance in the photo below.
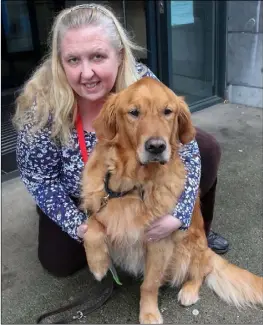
(88, 112)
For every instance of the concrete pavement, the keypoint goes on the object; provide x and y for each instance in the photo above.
(28, 291)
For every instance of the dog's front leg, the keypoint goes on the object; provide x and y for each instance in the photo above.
(96, 248)
(157, 258)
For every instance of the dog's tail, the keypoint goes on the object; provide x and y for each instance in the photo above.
(233, 284)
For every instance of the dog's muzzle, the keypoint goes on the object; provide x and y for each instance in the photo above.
(155, 150)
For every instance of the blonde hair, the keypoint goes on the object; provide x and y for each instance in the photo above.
(47, 92)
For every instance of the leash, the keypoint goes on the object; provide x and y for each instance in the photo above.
(81, 138)
(104, 201)
(109, 193)
(56, 316)
(84, 154)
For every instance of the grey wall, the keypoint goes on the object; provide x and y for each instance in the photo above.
(244, 52)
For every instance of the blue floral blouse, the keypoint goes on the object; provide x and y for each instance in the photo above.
(51, 174)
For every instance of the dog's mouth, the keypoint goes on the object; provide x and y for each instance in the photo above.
(156, 159)
(154, 150)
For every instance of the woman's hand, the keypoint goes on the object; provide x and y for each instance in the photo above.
(162, 228)
(82, 229)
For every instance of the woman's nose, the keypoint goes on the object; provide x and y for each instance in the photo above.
(86, 70)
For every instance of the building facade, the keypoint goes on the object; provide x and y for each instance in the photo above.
(207, 51)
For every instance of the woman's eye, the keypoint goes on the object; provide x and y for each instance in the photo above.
(73, 60)
(167, 111)
(98, 57)
(134, 112)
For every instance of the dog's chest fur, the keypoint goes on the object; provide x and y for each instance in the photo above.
(125, 233)
(129, 257)
(126, 218)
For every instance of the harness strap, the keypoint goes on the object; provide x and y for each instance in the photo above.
(113, 194)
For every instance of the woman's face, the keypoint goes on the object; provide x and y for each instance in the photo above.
(90, 62)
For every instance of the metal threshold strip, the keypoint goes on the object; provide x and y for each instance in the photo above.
(8, 138)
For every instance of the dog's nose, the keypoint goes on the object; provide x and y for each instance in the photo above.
(155, 145)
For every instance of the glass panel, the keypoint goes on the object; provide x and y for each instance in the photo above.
(45, 12)
(136, 24)
(16, 40)
(16, 25)
(192, 28)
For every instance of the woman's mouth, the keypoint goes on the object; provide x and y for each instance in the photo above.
(91, 85)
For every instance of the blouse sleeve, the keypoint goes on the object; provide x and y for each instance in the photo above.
(39, 163)
(190, 156)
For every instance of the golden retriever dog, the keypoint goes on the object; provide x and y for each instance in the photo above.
(133, 177)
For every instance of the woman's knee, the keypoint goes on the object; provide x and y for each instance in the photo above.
(58, 253)
(60, 266)
(208, 145)
(210, 152)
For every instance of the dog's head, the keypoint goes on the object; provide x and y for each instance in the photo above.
(148, 117)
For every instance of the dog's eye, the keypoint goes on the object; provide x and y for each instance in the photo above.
(134, 112)
(167, 111)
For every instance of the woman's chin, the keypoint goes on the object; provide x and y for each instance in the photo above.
(92, 97)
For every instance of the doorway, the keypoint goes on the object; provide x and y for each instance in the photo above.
(191, 49)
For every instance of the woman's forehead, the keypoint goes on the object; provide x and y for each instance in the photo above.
(85, 38)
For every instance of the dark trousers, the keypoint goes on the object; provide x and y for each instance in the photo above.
(62, 256)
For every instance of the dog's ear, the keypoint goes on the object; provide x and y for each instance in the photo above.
(186, 130)
(105, 124)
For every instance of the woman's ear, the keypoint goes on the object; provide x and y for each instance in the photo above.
(105, 123)
(186, 130)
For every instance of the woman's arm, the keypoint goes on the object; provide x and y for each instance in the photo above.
(191, 158)
(39, 163)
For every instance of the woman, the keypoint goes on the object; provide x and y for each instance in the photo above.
(90, 56)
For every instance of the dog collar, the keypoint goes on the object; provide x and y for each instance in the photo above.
(112, 194)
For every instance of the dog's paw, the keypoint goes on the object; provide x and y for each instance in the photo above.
(151, 318)
(100, 267)
(99, 275)
(187, 296)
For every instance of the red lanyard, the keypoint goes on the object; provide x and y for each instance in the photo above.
(81, 138)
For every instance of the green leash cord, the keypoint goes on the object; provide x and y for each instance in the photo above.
(114, 274)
